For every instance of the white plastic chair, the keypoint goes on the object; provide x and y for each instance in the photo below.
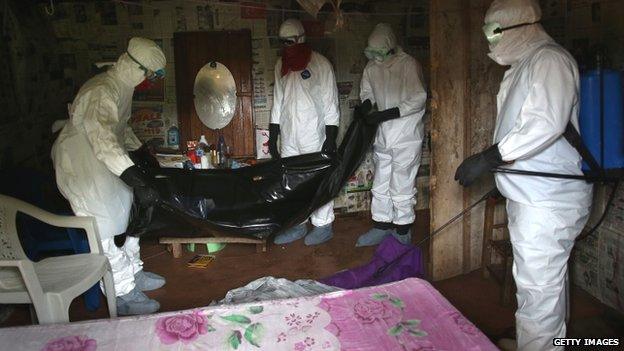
(52, 283)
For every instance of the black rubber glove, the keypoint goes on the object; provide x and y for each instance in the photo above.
(331, 134)
(144, 193)
(474, 166)
(144, 157)
(382, 116)
(364, 108)
(274, 132)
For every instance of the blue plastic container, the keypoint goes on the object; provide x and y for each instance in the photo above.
(604, 137)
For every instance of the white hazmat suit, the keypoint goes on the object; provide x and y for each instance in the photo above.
(304, 103)
(91, 153)
(395, 82)
(538, 96)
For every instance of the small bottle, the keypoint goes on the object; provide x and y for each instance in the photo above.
(214, 157)
(228, 157)
(203, 142)
(205, 164)
(173, 137)
(199, 150)
(221, 149)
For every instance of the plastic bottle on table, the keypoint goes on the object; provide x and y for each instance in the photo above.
(201, 147)
(173, 137)
(205, 164)
(203, 142)
(221, 150)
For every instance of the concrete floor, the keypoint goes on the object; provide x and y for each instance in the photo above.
(236, 265)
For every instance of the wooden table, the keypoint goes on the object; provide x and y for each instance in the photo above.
(174, 245)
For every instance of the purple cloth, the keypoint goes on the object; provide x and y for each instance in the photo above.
(408, 264)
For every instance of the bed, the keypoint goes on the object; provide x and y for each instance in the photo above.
(405, 315)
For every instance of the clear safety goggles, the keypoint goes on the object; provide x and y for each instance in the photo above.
(378, 55)
(290, 41)
(149, 74)
(494, 31)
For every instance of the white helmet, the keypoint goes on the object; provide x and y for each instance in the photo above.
(291, 31)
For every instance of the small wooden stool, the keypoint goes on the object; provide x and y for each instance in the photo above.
(175, 244)
(502, 273)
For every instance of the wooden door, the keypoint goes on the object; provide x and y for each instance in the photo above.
(192, 51)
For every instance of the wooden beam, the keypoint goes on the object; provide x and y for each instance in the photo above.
(464, 82)
(449, 75)
(485, 78)
(467, 117)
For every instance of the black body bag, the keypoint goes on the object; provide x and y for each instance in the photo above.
(254, 201)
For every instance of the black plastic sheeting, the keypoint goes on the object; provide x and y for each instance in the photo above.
(252, 201)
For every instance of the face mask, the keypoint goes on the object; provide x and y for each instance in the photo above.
(494, 31)
(145, 85)
(378, 55)
(290, 41)
(149, 74)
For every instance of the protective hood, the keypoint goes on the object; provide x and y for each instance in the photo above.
(127, 71)
(292, 28)
(144, 51)
(382, 38)
(148, 53)
(511, 12)
(517, 42)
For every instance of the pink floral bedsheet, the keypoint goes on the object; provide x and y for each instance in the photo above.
(405, 315)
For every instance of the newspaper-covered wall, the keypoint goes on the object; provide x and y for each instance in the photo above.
(90, 32)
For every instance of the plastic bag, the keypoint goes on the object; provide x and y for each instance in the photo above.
(258, 200)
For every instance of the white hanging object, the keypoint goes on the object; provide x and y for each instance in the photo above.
(314, 6)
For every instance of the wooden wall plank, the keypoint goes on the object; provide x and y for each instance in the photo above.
(448, 86)
(486, 76)
(464, 84)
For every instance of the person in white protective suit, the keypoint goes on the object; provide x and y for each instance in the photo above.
(393, 80)
(96, 175)
(538, 97)
(304, 117)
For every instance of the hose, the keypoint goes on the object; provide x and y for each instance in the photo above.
(589, 178)
(382, 269)
(492, 192)
(603, 216)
